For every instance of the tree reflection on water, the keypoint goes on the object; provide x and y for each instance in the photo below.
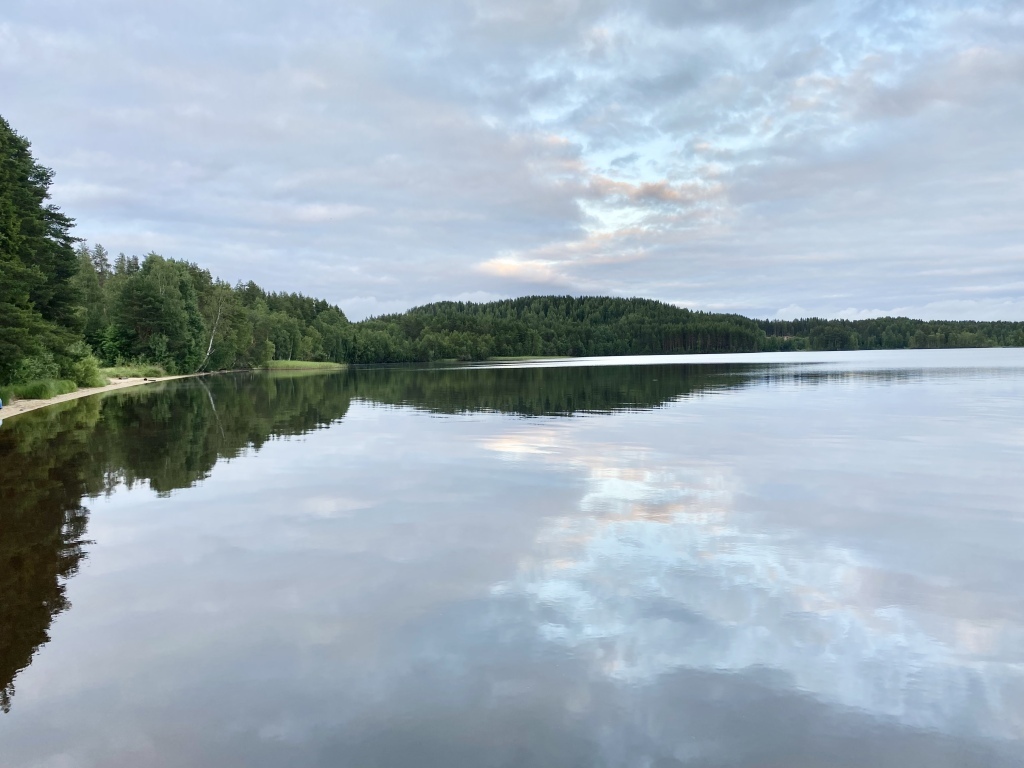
(171, 436)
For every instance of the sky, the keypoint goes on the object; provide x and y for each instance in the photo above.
(776, 158)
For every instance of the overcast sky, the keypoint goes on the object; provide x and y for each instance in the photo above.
(777, 158)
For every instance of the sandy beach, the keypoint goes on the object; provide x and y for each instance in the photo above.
(24, 406)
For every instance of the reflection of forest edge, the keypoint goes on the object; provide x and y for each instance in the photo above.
(171, 436)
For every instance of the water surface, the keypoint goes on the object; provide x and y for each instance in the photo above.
(800, 560)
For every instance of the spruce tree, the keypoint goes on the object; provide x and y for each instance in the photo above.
(38, 299)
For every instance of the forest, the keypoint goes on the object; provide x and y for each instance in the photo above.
(175, 314)
(547, 326)
(888, 333)
(67, 309)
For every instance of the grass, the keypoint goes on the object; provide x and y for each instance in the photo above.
(44, 389)
(41, 389)
(301, 365)
(138, 371)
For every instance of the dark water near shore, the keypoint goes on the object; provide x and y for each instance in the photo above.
(803, 560)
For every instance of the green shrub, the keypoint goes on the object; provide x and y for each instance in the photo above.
(37, 368)
(77, 363)
(43, 389)
(86, 372)
(134, 370)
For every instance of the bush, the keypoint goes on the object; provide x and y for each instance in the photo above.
(37, 367)
(136, 370)
(77, 363)
(86, 372)
(42, 389)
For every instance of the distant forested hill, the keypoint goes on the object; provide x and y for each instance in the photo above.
(599, 325)
(888, 333)
(548, 325)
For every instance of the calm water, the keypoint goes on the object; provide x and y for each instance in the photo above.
(813, 562)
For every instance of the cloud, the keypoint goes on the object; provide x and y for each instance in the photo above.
(739, 155)
(318, 212)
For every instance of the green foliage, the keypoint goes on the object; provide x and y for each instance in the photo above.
(37, 373)
(40, 389)
(79, 364)
(140, 370)
(547, 326)
(888, 333)
(175, 315)
(38, 298)
(155, 315)
(593, 326)
(42, 365)
(296, 327)
(92, 310)
(86, 372)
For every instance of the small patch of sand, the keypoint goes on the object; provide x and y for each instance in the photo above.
(24, 406)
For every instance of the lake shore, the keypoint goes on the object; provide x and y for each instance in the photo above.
(19, 407)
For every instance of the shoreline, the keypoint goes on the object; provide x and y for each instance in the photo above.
(19, 407)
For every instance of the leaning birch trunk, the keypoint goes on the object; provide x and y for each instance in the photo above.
(216, 322)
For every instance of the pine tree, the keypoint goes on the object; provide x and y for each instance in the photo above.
(38, 298)
(100, 262)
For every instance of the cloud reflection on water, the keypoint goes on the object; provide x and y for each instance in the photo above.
(653, 573)
(692, 569)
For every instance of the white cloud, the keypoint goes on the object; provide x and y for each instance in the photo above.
(748, 155)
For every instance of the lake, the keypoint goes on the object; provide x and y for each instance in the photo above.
(742, 560)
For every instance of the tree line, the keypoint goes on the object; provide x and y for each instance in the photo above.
(591, 326)
(176, 314)
(817, 333)
(576, 326)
